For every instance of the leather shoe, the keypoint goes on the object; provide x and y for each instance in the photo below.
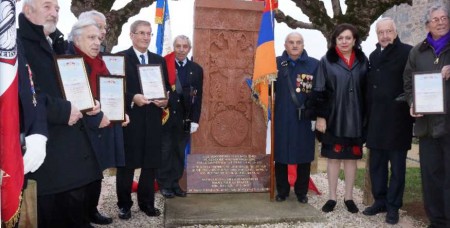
(329, 206)
(98, 218)
(351, 206)
(280, 198)
(302, 199)
(179, 192)
(374, 209)
(167, 193)
(151, 211)
(124, 213)
(392, 216)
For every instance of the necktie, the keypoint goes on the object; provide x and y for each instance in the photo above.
(50, 42)
(180, 63)
(142, 59)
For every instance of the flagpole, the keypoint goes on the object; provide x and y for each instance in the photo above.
(272, 145)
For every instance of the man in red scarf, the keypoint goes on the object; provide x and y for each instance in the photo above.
(186, 80)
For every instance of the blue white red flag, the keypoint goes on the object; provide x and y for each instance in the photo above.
(164, 34)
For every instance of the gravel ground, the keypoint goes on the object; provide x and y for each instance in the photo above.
(336, 219)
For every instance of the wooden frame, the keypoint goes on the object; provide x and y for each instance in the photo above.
(429, 93)
(152, 86)
(111, 93)
(74, 82)
(115, 63)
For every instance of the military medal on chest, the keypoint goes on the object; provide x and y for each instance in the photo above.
(298, 83)
(33, 91)
(304, 83)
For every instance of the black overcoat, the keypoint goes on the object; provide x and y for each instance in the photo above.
(70, 161)
(342, 97)
(389, 121)
(142, 136)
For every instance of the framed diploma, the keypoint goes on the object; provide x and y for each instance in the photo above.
(115, 64)
(429, 93)
(111, 91)
(152, 83)
(74, 82)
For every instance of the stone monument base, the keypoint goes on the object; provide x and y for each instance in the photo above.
(236, 209)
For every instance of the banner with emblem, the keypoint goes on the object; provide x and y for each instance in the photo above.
(11, 163)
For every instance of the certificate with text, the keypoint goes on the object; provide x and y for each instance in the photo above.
(152, 83)
(74, 82)
(429, 93)
(112, 97)
(115, 64)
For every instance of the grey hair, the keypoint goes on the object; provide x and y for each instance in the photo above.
(182, 37)
(91, 14)
(27, 2)
(78, 27)
(427, 18)
(386, 19)
(294, 33)
(134, 25)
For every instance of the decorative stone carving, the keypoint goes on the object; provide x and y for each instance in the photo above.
(225, 35)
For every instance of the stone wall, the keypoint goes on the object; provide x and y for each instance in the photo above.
(408, 19)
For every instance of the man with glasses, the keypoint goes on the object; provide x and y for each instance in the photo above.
(433, 130)
(142, 137)
(385, 85)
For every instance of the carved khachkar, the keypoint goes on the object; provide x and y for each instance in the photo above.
(225, 35)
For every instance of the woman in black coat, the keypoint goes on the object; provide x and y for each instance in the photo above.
(340, 88)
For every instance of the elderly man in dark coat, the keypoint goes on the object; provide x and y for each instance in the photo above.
(70, 164)
(142, 137)
(390, 143)
(294, 136)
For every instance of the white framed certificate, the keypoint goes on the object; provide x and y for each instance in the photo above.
(111, 91)
(74, 82)
(429, 93)
(115, 64)
(152, 82)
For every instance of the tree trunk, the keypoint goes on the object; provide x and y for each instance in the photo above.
(367, 197)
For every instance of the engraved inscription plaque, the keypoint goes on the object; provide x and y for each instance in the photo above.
(227, 173)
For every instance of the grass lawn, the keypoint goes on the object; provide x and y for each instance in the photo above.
(412, 197)
(413, 187)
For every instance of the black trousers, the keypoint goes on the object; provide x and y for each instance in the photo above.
(67, 209)
(435, 171)
(145, 192)
(94, 190)
(301, 184)
(174, 141)
(390, 195)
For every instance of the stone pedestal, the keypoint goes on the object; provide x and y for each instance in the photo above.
(225, 36)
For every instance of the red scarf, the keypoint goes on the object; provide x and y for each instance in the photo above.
(98, 67)
(350, 61)
(171, 68)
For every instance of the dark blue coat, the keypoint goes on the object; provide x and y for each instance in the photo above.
(294, 139)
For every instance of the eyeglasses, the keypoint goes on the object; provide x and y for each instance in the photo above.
(441, 19)
(143, 34)
(382, 32)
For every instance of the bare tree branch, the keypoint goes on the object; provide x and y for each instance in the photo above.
(336, 5)
(115, 18)
(291, 22)
(359, 13)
